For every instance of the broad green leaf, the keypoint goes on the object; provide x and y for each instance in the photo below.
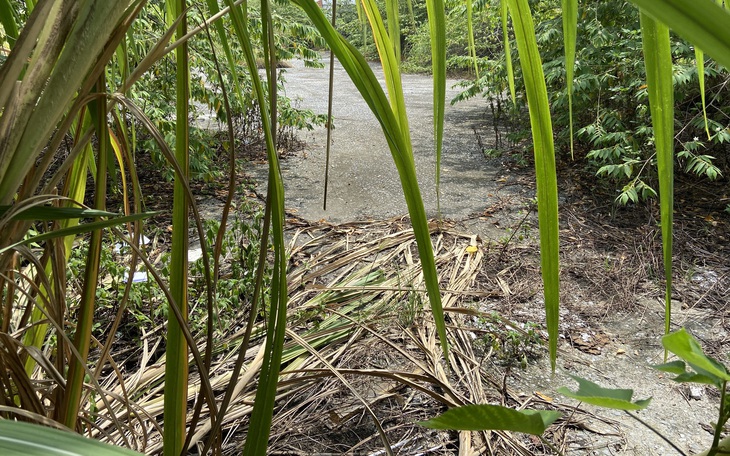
(437, 31)
(691, 377)
(19, 438)
(658, 63)
(507, 51)
(570, 27)
(686, 347)
(54, 213)
(484, 417)
(679, 368)
(701, 22)
(675, 367)
(545, 173)
(590, 393)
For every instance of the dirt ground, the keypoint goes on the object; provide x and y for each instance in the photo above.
(612, 314)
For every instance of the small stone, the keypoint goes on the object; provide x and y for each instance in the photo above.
(696, 392)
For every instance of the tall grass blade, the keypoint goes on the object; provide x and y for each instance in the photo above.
(570, 27)
(85, 319)
(260, 424)
(223, 37)
(547, 186)
(701, 22)
(411, 16)
(399, 142)
(437, 29)
(78, 229)
(391, 68)
(363, 22)
(507, 51)
(470, 32)
(176, 352)
(7, 19)
(658, 63)
(393, 17)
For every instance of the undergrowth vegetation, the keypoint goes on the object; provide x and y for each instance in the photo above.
(614, 136)
(115, 325)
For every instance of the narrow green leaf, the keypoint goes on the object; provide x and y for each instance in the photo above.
(393, 17)
(7, 19)
(261, 417)
(176, 351)
(19, 438)
(591, 393)
(547, 185)
(701, 22)
(570, 27)
(72, 397)
(391, 68)
(700, 62)
(484, 417)
(363, 22)
(686, 347)
(54, 213)
(399, 143)
(437, 30)
(411, 16)
(470, 32)
(78, 229)
(223, 37)
(658, 63)
(507, 51)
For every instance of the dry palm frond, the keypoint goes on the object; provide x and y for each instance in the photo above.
(355, 318)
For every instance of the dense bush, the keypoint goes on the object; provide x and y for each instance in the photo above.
(156, 95)
(613, 130)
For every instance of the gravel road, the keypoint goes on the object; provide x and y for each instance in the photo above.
(363, 182)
